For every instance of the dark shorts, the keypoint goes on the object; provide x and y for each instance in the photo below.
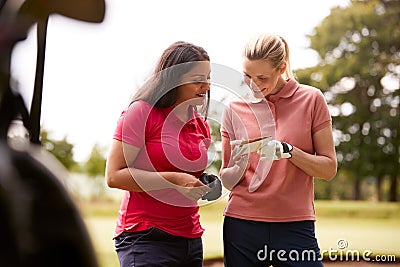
(252, 243)
(154, 247)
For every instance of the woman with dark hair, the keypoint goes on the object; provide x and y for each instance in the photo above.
(158, 153)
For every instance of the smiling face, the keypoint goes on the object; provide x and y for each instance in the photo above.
(262, 78)
(194, 85)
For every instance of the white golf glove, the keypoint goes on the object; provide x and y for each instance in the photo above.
(275, 150)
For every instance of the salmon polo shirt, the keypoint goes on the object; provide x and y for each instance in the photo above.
(166, 144)
(285, 193)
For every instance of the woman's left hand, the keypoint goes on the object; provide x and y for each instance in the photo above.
(276, 150)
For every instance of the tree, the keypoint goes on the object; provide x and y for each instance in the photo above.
(95, 167)
(359, 50)
(61, 149)
(96, 164)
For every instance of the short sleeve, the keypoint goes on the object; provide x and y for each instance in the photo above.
(321, 116)
(118, 129)
(226, 125)
(131, 126)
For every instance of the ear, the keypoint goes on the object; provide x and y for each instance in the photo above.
(282, 68)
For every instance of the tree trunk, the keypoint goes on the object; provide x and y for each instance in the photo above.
(379, 188)
(396, 170)
(393, 188)
(357, 189)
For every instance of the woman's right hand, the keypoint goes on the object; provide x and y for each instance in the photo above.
(235, 162)
(239, 156)
(190, 186)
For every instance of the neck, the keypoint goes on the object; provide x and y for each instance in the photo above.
(182, 112)
(279, 85)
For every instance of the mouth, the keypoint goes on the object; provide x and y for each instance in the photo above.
(201, 95)
(259, 91)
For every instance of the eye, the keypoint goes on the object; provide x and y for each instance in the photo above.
(263, 79)
(201, 80)
(198, 79)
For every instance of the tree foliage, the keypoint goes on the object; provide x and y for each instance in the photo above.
(96, 164)
(359, 50)
(61, 149)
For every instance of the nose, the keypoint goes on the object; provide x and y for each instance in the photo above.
(206, 85)
(253, 85)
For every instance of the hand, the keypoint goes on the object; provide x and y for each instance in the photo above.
(191, 187)
(239, 155)
(238, 163)
(276, 150)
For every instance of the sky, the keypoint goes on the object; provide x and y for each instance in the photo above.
(91, 70)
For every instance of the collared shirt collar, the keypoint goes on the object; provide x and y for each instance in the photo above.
(168, 112)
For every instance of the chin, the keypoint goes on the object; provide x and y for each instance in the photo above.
(198, 101)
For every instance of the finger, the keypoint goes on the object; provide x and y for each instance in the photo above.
(199, 186)
(235, 143)
(244, 150)
(197, 195)
(242, 164)
(240, 152)
(236, 158)
(243, 158)
(235, 152)
(204, 190)
(268, 151)
(193, 195)
(194, 198)
(200, 183)
(199, 189)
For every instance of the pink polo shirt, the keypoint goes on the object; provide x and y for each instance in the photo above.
(284, 192)
(167, 144)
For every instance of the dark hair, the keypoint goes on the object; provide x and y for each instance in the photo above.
(160, 89)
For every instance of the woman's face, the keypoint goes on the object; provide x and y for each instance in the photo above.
(194, 85)
(261, 77)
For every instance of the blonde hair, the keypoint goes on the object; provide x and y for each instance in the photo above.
(269, 47)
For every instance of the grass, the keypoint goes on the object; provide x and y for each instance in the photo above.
(358, 209)
(364, 225)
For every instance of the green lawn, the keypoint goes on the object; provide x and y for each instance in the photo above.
(364, 225)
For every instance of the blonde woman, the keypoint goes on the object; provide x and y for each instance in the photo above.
(269, 218)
